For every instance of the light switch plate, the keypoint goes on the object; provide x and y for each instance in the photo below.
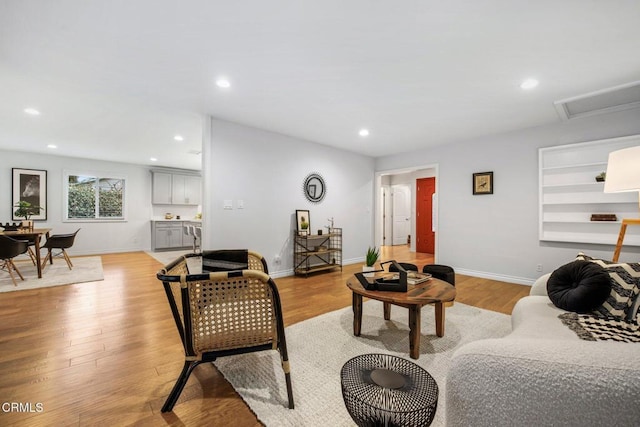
(228, 204)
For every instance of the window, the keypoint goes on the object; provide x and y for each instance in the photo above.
(94, 197)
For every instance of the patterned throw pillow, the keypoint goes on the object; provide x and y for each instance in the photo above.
(625, 286)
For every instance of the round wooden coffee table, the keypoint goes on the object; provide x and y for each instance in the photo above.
(434, 291)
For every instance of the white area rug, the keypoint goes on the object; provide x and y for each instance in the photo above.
(85, 269)
(320, 346)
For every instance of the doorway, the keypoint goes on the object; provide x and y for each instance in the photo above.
(425, 231)
(401, 213)
(383, 227)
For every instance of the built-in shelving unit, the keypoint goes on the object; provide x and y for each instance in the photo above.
(569, 194)
(314, 253)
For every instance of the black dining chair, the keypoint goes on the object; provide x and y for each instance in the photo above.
(61, 242)
(9, 249)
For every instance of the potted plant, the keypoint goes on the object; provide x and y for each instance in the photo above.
(601, 176)
(25, 210)
(372, 256)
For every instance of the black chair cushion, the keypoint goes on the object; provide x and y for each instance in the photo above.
(579, 286)
(225, 260)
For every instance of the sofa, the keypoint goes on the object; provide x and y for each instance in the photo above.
(542, 374)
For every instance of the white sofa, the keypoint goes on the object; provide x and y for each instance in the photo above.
(542, 374)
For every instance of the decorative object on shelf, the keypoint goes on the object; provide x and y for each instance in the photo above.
(30, 186)
(10, 227)
(168, 216)
(482, 183)
(370, 259)
(26, 210)
(623, 176)
(330, 226)
(319, 232)
(314, 187)
(303, 222)
(601, 176)
(604, 217)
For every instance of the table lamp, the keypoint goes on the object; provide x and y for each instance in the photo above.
(623, 174)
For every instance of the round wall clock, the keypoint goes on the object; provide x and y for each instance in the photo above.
(314, 188)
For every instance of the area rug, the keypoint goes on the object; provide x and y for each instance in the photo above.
(85, 269)
(319, 347)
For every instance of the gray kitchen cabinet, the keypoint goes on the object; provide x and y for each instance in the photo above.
(175, 189)
(167, 235)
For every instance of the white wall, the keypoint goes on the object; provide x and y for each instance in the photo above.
(266, 171)
(496, 235)
(94, 238)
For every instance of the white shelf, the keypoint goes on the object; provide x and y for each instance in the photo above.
(569, 194)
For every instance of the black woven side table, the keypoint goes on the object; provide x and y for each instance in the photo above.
(385, 390)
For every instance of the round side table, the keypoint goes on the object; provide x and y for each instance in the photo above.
(385, 390)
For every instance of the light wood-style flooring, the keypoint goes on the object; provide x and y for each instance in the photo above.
(108, 352)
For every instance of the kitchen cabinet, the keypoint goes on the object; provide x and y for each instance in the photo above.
(175, 189)
(569, 194)
(185, 190)
(168, 235)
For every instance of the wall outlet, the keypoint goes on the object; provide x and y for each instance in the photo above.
(539, 268)
(277, 259)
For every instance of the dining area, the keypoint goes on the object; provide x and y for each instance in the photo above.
(17, 240)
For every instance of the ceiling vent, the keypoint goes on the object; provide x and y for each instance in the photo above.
(617, 98)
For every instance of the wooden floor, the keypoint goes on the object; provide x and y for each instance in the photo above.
(108, 353)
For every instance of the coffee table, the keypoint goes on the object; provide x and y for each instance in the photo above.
(434, 291)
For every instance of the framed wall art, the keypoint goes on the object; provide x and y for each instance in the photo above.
(303, 222)
(30, 186)
(483, 183)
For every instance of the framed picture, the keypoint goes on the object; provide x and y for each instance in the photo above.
(29, 185)
(303, 222)
(483, 183)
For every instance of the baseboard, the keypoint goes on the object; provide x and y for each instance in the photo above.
(494, 276)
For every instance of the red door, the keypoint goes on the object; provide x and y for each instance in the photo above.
(425, 237)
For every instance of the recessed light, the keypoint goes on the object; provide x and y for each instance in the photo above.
(529, 84)
(178, 138)
(363, 132)
(153, 159)
(52, 146)
(224, 83)
(32, 111)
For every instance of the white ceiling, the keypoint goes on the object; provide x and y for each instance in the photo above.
(117, 79)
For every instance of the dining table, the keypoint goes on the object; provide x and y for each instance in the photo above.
(34, 234)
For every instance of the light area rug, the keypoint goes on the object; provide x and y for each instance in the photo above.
(319, 347)
(85, 269)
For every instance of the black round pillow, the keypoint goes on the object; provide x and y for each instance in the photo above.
(580, 286)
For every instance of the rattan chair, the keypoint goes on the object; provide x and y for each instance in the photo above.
(9, 249)
(61, 242)
(224, 313)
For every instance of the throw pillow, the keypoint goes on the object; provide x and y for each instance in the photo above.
(625, 286)
(580, 286)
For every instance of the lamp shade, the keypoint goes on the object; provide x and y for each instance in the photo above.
(623, 170)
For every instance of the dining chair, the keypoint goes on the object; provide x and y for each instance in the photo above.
(61, 242)
(223, 313)
(407, 266)
(9, 249)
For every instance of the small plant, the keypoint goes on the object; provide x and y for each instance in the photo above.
(25, 209)
(303, 223)
(372, 256)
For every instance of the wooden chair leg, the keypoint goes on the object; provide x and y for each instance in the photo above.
(47, 257)
(10, 266)
(32, 255)
(66, 257)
